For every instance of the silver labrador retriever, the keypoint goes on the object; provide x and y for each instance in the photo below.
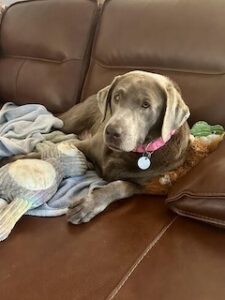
(138, 130)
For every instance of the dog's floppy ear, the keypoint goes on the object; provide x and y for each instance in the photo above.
(177, 112)
(104, 97)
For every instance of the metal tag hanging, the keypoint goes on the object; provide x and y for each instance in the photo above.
(144, 162)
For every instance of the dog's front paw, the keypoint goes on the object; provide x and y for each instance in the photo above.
(83, 210)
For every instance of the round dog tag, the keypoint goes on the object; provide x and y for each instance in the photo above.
(144, 162)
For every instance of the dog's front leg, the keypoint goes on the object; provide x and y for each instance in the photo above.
(84, 209)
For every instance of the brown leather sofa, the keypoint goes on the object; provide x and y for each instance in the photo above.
(57, 52)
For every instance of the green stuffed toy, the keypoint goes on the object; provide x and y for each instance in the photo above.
(207, 135)
(28, 183)
(202, 128)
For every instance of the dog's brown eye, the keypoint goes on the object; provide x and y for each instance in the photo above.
(145, 104)
(117, 98)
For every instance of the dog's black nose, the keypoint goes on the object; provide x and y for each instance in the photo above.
(113, 132)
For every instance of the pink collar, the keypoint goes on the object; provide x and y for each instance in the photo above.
(154, 145)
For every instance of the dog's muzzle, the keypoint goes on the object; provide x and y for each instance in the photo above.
(113, 136)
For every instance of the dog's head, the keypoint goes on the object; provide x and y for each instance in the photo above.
(143, 106)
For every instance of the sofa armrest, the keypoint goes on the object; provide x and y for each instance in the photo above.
(201, 193)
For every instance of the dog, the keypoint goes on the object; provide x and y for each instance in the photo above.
(136, 112)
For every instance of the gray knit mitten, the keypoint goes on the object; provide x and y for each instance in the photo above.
(28, 183)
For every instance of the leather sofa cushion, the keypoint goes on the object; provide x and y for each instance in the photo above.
(44, 51)
(201, 193)
(46, 259)
(181, 39)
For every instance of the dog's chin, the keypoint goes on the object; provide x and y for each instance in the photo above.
(114, 148)
(119, 148)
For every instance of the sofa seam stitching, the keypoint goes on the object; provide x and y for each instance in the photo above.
(17, 77)
(183, 194)
(134, 266)
(103, 65)
(198, 216)
(92, 52)
(87, 53)
(6, 56)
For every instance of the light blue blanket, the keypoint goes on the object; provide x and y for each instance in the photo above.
(22, 127)
(26, 128)
(69, 189)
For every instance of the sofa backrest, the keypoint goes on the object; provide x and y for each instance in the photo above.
(184, 40)
(45, 49)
